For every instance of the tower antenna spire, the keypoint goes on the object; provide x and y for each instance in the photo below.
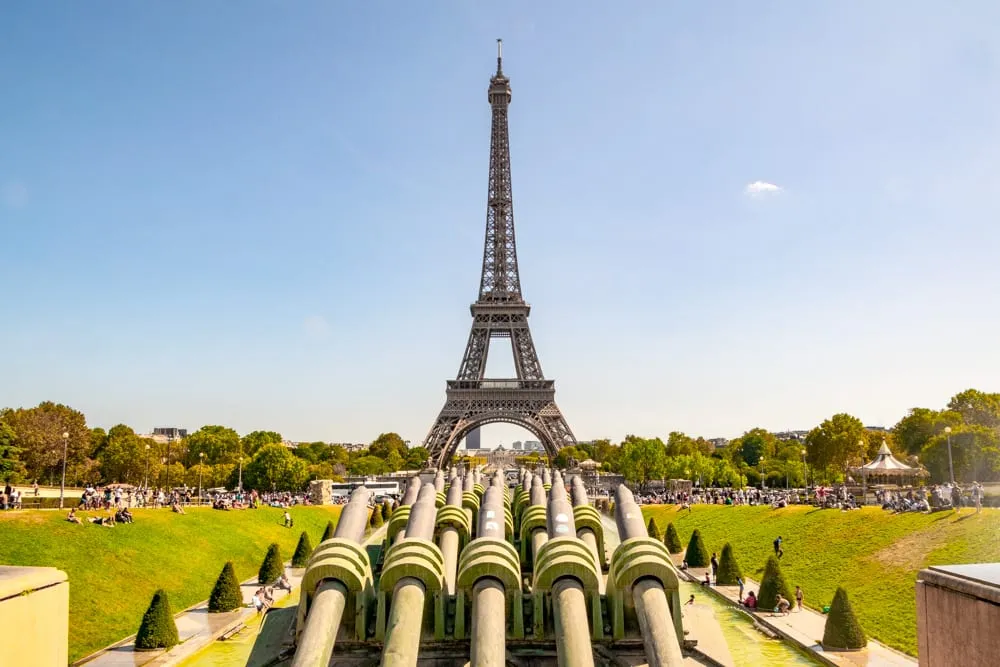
(499, 55)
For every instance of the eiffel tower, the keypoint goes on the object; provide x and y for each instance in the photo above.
(500, 312)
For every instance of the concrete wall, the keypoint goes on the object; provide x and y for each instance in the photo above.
(958, 615)
(34, 616)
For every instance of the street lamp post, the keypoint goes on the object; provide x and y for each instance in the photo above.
(239, 484)
(951, 465)
(805, 472)
(201, 467)
(145, 477)
(864, 474)
(168, 469)
(762, 485)
(62, 484)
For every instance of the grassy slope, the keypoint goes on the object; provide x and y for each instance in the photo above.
(113, 572)
(870, 552)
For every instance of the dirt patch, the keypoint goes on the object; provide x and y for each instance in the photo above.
(910, 552)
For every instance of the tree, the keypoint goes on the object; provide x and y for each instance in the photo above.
(771, 584)
(275, 468)
(697, 554)
(642, 460)
(386, 443)
(11, 467)
(38, 434)
(756, 443)
(729, 569)
(394, 461)
(157, 629)
(328, 532)
(416, 458)
(303, 550)
(975, 454)
(375, 519)
(386, 510)
(672, 539)
(837, 442)
(273, 566)
(220, 444)
(122, 456)
(653, 530)
(254, 440)
(368, 465)
(226, 595)
(977, 407)
(915, 430)
(842, 630)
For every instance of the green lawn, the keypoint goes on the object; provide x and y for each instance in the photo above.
(873, 554)
(113, 572)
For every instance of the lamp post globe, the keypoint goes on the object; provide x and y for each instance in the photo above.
(62, 484)
(951, 465)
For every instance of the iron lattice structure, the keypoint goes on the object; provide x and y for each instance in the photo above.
(500, 312)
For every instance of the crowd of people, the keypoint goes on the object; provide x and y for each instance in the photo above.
(931, 499)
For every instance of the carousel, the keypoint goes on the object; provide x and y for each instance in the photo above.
(887, 470)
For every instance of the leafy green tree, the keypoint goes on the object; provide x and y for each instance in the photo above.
(836, 443)
(157, 629)
(914, 431)
(771, 584)
(642, 460)
(756, 443)
(386, 510)
(729, 569)
(303, 550)
(38, 434)
(368, 465)
(375, 519)
(416, 458)
(254, 440)
(975, 454)
(220, 444)
(275, 468)
(11, 467)
(226, 594)
(673, 540)
(328, 532)
(679, 444)
(653, 530)
(386, 443)
(842, 630)
(394, 461)
(977, 407)
(273, 566)
(696, 554)
(123, 456)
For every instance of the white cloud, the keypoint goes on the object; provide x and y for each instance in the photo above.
(14, 194)
(761, 189)
(316, 327)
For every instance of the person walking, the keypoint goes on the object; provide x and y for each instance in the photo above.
(739, 582)
(715, 568)
(799, 595)
(777, 547)
(977, 496)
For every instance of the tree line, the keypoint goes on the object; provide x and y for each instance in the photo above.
(32, 446)
(823, 456)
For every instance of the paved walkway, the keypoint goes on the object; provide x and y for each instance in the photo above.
(197, 628)
(805, 628)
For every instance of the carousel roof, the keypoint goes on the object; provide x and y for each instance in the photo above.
(886, 463)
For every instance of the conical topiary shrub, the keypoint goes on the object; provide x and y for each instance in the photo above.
(673, 540)
(303, 550)
(157, 629)
(729, 570)
(697, 554)
(771, 584)
(653, 530)
(226, 595)
(842, 630)
(328, 533)
(272, 568)
(386, 511)
(375, 520)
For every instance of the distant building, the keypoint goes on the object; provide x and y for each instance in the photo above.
(719, 443)
(517, 445)
(473, 439)
(532, 446)
(791, 435)
(168, 433)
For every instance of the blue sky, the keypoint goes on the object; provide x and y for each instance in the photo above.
(270, 215)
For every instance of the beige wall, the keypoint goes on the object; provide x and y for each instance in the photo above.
(34, 616)
(958, 620)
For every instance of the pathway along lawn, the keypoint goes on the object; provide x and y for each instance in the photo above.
(113, 572)
(873, 554)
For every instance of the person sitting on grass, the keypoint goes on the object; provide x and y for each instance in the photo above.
(72, 517)
(176, 507)
(751, 601)
(123, 516)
